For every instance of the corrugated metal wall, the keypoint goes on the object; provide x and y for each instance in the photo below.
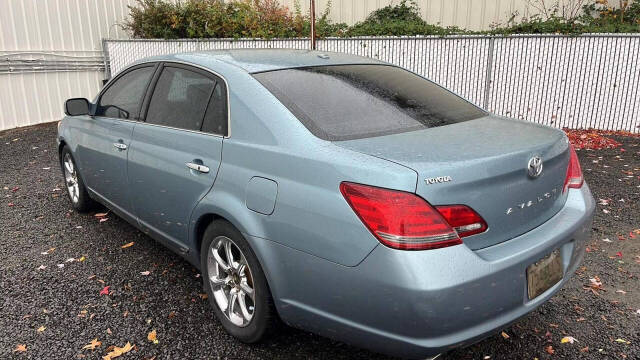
(468, 14)
(51, 50)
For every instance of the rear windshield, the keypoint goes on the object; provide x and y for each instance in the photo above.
(344, 102)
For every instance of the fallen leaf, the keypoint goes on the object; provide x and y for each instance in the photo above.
(619, 254)
(204, 296)
(47, 252)
(41, 329)
(82, 259)
(152, 337)
(103, 220)
(595, 283)
(623, 341)
(127, 245)
(549, 350)
(145, 273)
(117, 351)
(99, 215)
(20, 348)
(568, 339)
(585, 349)
(105, 291)
(92, 345)
(504, 335)
(621, 292)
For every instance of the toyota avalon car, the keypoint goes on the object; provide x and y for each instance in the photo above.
(335, 193)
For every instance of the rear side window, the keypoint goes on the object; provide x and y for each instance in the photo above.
(215, 118)
(345, 102)
(122, 99)
(180, 99)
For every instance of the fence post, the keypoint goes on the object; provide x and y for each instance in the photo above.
(105, 57)
(489, 74)
(312, 13)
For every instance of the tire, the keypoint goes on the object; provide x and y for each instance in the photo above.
(263, 317)
(79, 196)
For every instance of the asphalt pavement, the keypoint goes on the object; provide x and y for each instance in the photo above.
(66, 279)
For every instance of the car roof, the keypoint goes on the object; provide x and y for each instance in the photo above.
(260, 60)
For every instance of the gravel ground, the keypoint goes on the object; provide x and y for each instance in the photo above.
(55, 310)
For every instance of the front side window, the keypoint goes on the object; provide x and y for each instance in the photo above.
(344, 102)
(180, 99)
(122, 99)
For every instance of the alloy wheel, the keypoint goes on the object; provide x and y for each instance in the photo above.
(231, 281)
(71, 178)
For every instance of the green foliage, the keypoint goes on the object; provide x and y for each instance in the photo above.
(269, 19)
(212, 19)
(597, 17)
(398, 20)
(621, 19)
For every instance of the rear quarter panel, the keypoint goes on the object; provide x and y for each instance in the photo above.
(310, 214)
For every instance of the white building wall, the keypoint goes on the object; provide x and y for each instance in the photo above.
(43, 34)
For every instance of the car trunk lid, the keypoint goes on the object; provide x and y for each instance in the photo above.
(483, 164)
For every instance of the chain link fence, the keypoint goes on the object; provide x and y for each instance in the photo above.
(587, 81)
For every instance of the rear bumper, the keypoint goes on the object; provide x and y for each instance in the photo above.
(421, 303)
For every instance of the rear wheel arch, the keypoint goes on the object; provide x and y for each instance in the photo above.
(201, 226)
(61, 146)
(203, 222)
(209, 218)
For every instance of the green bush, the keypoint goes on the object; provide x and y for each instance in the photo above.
(269, 19)
(597, 17)
(212, 19)
(399, 20)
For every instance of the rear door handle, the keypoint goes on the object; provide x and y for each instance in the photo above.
(198, 167)
(120, 146)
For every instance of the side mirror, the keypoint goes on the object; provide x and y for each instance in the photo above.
(77, 106)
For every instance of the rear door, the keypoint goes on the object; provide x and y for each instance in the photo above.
(103, 143)
(176, 152)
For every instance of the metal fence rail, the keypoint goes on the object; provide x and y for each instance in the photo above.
(587, 81)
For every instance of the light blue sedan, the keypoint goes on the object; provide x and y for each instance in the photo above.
(339, 194)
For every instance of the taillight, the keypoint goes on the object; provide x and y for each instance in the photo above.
(574, 177)
(463, 219)
(403, 220)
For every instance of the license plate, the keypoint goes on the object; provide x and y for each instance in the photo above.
(545, 273)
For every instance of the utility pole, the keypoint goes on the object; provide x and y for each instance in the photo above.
(312, 13)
